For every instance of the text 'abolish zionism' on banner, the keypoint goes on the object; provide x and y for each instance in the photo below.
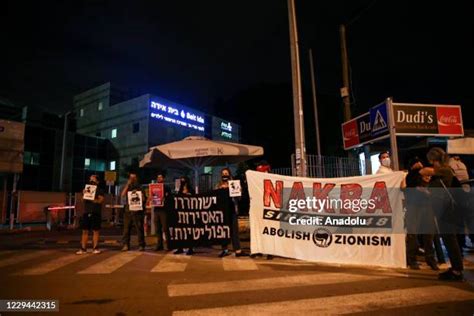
(353, 220)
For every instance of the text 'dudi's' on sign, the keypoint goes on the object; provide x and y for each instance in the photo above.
(427, 120)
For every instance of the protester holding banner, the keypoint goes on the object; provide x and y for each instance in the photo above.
(419, 217)
(446, 215)
(233, 205)
(385, 163)
(92, 217)
(185, 188)
(134, 212)
(160, 212)
(262, 166)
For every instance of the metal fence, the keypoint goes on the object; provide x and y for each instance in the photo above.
(325, 167)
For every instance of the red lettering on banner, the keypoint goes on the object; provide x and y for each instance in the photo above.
(380, 197)
(323, 193)
(271, 193)
(351, 192)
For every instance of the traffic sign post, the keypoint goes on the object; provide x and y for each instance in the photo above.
(110, 178)
(393, 136)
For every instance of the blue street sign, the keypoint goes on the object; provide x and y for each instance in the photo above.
(379, 120)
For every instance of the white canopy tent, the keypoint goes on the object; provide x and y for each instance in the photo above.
(197, 152)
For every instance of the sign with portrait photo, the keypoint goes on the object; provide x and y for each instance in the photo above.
(89, 192)
(135, 200)
(157, 194)
(235, 189)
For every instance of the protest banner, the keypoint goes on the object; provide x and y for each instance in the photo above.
(199, 220)
(354, 220)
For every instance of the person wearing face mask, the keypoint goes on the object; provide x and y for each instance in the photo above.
(233, 205)
(385, 163)
(135, 217)
(92, 218)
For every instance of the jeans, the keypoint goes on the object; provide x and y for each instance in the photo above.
(137, 218)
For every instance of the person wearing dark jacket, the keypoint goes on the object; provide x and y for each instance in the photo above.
(135, 216)
(233, 205)
(92, 218)
(441, 182)
(419, 216)
(161, 215)
(185, 188)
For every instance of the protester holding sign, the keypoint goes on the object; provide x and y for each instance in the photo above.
(226, 177)
(91, 220)
(134, 212)
(160, 209)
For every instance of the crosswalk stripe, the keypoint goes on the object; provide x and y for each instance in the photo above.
(344, 304)
(234, 264)
(52, 265)
(21, 257)
(266, 283)
(111, 264)
(111, 241)
(172, 263)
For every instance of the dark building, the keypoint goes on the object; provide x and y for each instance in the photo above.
(84, 155)
(135, 124)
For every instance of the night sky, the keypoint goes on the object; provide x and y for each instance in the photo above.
(232, 58)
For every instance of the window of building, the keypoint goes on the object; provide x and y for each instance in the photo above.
(31, 158)
(100, 165)
(112, 165)
(136, 127)
(113, 134)
(100, 106)
(81, 112)
(87, 163)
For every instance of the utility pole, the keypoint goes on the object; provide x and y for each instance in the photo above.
(345, 90)
(315, 104)
(300, 147)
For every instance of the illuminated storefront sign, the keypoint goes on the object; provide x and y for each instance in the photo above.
(177, 115)
(226, 130)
